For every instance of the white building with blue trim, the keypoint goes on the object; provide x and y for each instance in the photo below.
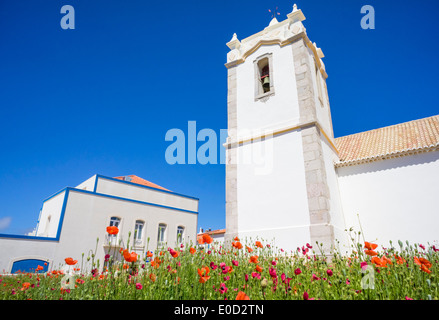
(71, 221)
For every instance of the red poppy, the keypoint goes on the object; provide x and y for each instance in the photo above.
(205, 238)
(242, 296)
(254, 259)
(258, 268)
(371, 253)
(112, 230)
(129, 257)
(203, 273)
(382, 263)
(70, 261)
(423, 263)
(174, 253)
(192, 250)
(237, 245)
(259, 244)
(370, 246)
(149, 254)
(249, 249)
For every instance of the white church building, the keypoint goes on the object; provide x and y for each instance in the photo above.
(71, 221)
(290, 181)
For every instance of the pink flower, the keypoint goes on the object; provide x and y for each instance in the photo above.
(348, 282)
(272, 272)
(256, 275)
(246, 277)
(309, 246)
(223, 289)
(363, 265)
(306, 296)
(107, 257)
(226, 278)
(422, 246)
(297, 271)
(273, 263)
(329, 272)
(139, 286)
(314, 277)
(213, 266)
(235, 263)
(407, 298)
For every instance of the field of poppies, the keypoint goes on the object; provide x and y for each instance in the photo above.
(250, 269)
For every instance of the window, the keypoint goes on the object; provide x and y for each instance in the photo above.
(138, 231)
(180, 234)
(161, 238)
(263, 76)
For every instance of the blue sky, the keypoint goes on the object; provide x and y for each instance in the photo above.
(100, 98)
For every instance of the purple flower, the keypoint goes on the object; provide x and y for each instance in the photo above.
(363, 265)
(256, 275)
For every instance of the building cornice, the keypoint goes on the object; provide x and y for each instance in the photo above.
(271, 132)
(281, 33)
(392, 155)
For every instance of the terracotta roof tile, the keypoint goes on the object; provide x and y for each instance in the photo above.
(138, 180)
(396, 139)
(213, 232)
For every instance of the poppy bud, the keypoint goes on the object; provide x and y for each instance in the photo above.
(264, 283)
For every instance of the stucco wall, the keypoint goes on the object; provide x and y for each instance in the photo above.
(280, 107)
(396, 199)
(131, 191)
(275, 204)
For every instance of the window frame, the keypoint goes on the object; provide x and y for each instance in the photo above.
(161, 243)
(259, 91)
(138, 240)
(180, 227)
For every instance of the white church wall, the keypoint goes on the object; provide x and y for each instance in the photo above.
(256, 115)
(274, 204)
(131, 191)
(396, 199)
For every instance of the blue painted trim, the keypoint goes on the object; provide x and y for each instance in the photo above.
(96, 184)
(146, 187)
(17, 236)
(130, 200)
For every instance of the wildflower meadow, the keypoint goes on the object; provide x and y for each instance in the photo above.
(246, 270)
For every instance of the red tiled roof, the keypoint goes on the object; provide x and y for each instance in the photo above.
(392, 140)
(213, 232)
(143, 182)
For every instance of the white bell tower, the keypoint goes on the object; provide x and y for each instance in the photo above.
(281, 184)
